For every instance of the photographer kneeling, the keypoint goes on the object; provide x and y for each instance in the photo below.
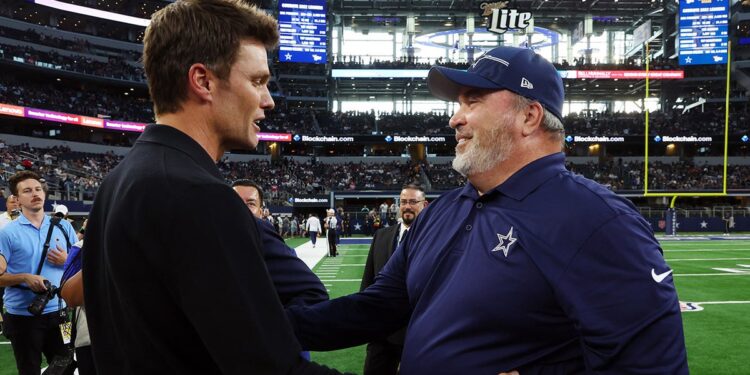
(39, 243)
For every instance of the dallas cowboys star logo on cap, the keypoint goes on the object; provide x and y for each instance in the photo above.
(506, 242)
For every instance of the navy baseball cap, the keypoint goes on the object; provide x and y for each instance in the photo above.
(519, 70)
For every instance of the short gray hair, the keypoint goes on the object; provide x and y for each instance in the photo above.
(550, 123)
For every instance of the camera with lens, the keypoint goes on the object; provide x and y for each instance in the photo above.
(41, 299)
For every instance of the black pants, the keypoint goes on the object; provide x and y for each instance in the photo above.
(30, 336)
(85, 361)
(383, 358)
(331, 242)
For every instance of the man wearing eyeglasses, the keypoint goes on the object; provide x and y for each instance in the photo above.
(384, 356)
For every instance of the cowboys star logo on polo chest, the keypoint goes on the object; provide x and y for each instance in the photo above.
(505, 241)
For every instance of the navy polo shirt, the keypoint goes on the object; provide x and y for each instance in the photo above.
(547, 273)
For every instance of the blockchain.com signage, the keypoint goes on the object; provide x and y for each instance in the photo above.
(311, 201)
(503, 18)
(704, 32)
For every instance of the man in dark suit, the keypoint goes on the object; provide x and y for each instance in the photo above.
(193, 286)
(383, 357)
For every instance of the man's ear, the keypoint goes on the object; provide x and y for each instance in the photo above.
(200, 81)
(533, 115)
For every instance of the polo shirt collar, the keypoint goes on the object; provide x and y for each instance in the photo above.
(23, 220)
(173, 138)
(526, 180)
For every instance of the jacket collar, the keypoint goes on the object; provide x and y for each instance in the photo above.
(175, 139)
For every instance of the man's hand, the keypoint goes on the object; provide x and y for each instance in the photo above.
(57, 256)
(35, 282)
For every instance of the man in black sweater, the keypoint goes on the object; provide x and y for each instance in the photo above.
(169, 290)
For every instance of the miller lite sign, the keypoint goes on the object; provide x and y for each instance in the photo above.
(504, 18)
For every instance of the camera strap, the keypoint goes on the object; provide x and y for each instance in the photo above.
(54, 222)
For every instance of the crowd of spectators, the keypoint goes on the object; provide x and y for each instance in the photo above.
(100, 102)
(672, 123)
(86, 25)
(114, 68)
(77, 176)
(289, 120)
(94, 103)
(346, 122)
(370, 62)
(75, 44)
(310, 177)
(413, 123)
(74, 175)
(443, 176)
(578, 63)
(678, 176)
(26, 11)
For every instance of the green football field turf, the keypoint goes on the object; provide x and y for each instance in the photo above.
(714, 274)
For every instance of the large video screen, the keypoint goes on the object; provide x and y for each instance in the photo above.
(704, 32)
(302, 29)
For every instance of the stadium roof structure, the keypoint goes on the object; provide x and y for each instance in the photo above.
(564, 14)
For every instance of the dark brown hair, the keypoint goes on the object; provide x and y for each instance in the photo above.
(249, 183)
(198, 31)
(23, 176)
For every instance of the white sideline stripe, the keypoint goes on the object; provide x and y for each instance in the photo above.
(311, 255)
(723, 242)
(698, 259)
(722, 302)
(703, 250)
(4, 342)
(712, 274)
(352, 265)
(341, 280)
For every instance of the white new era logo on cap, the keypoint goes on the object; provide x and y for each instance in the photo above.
(525, 83)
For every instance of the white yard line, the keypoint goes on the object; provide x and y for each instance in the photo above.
(703, 250)
(699, 259)
(723, 302)
(711, 274)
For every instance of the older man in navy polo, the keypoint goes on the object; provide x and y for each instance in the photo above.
(528, 267)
